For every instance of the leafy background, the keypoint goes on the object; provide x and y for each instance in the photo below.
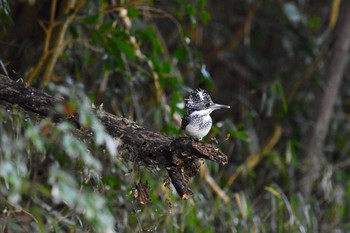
(140, 59)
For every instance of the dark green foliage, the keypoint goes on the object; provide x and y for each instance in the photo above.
(140, 60)
(52, 154)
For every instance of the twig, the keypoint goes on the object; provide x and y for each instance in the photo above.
(59, 43)
(204, 173)
(335, 67)
(253, 160)
(46, 51)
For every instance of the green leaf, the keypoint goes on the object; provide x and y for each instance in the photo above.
(314, 22)
(273, 191)
(112, 181)
(240, 135)
(133, 12)
(190, 10)
(205, 16)
(76, 149)
(157, 48)
(9, 171)
(165, 67)
(32, 133)
(97, 36)
(180, 53)
(282, 96)
(106, 26)
(64, 186)
(85, 118)
(91, 19)
(65, 189)
(125, 48)
(111, 145)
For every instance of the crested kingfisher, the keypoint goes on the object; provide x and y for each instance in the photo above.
(197, 121)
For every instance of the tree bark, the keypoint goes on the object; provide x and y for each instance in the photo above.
(179, 156)
(334, 72)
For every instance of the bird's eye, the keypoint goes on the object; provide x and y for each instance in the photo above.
(207, 104)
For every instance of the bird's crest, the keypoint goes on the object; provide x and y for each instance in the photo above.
(198, 97)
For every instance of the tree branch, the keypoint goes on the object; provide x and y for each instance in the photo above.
(179, 156)
(334, 73)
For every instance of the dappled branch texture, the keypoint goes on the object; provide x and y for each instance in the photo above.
(179, 156)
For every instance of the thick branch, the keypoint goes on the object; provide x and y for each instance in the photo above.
(179, 156)
(334, 73)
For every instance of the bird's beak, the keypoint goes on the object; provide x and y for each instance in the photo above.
(219, 106)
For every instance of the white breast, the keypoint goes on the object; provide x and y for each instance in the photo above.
(199, 127)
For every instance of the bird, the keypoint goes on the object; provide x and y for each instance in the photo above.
(197, 121)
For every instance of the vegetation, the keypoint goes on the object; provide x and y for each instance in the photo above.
(278, 64)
